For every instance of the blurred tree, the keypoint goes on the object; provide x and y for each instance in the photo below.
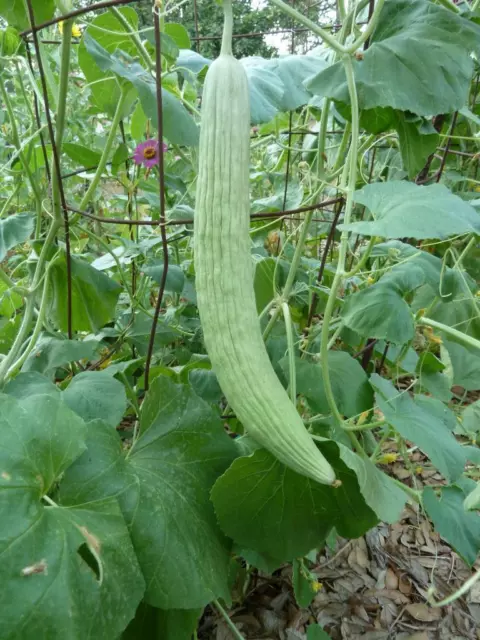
(250, 17)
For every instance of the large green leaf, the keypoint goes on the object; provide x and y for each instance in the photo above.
(431, 377)
(192, 61)
(29, 384)
(365, 313)
(460, 528)
(426, 422)
(349, 382)
(10, 301)
(57, 563)
(418, 60)
(13, 230)
(466, 365)
(291, 70)
(471, 419)
(266, 507)
(403, 209)
(96, 395)
(10, 41)
(178, 125)
(264, 283)
(179, 34)
(84, 156)
(378, 490)
(461, 313)
(163, 488)
(437, 275)
(139, 328)
(51, 352)
(302, 585)
(111, 35)
(94, 296)
(175, 276)
(151, 623)
(266, 90)
(417, 141)
(15, 12)
(8, 332)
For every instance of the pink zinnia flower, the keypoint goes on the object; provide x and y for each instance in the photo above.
(146, 153)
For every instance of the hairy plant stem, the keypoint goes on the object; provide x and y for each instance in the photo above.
(226, 617)
(363, 260)
(30, 302)
(8, 201)
(23, 90)
(325, 35)
(322, 137)
(38, 325)
(17, 144)
(134, 37)
(291, 353)
(61, 113)
(106, 151)
(351, 175)
(465, 339)
(226, 48)
(297, 256)
(6, 279)
(415, 495)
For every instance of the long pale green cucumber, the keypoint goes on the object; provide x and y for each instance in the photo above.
(224, 272)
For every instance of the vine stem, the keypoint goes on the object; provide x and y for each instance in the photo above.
(30, 304)
(58, 194)
(291, 275)
(465, 339)
(61, 113)
(226, 48)
(227, 619)
(291, 352)
(106, 151)
(340, 272)
(8, 201)
(134, 37)
(17, 143)
(38, 325)
(326, 37)
(466, 586)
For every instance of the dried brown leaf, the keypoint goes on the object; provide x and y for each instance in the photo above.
(423, 613)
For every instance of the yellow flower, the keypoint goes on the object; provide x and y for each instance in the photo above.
(316, 586)
(388, 458)
(76, 31)
(431, 337)
(418, 470)
(363, 417)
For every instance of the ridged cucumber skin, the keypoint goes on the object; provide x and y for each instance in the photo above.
(224, 277)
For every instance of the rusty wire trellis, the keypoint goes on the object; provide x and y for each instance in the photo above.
(163, 222)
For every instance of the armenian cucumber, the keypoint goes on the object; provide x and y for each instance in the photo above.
(224, 272)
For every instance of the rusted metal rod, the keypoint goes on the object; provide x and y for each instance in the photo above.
(77, 12)
(253, 216)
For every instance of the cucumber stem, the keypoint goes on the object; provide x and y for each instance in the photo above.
(226, 49)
